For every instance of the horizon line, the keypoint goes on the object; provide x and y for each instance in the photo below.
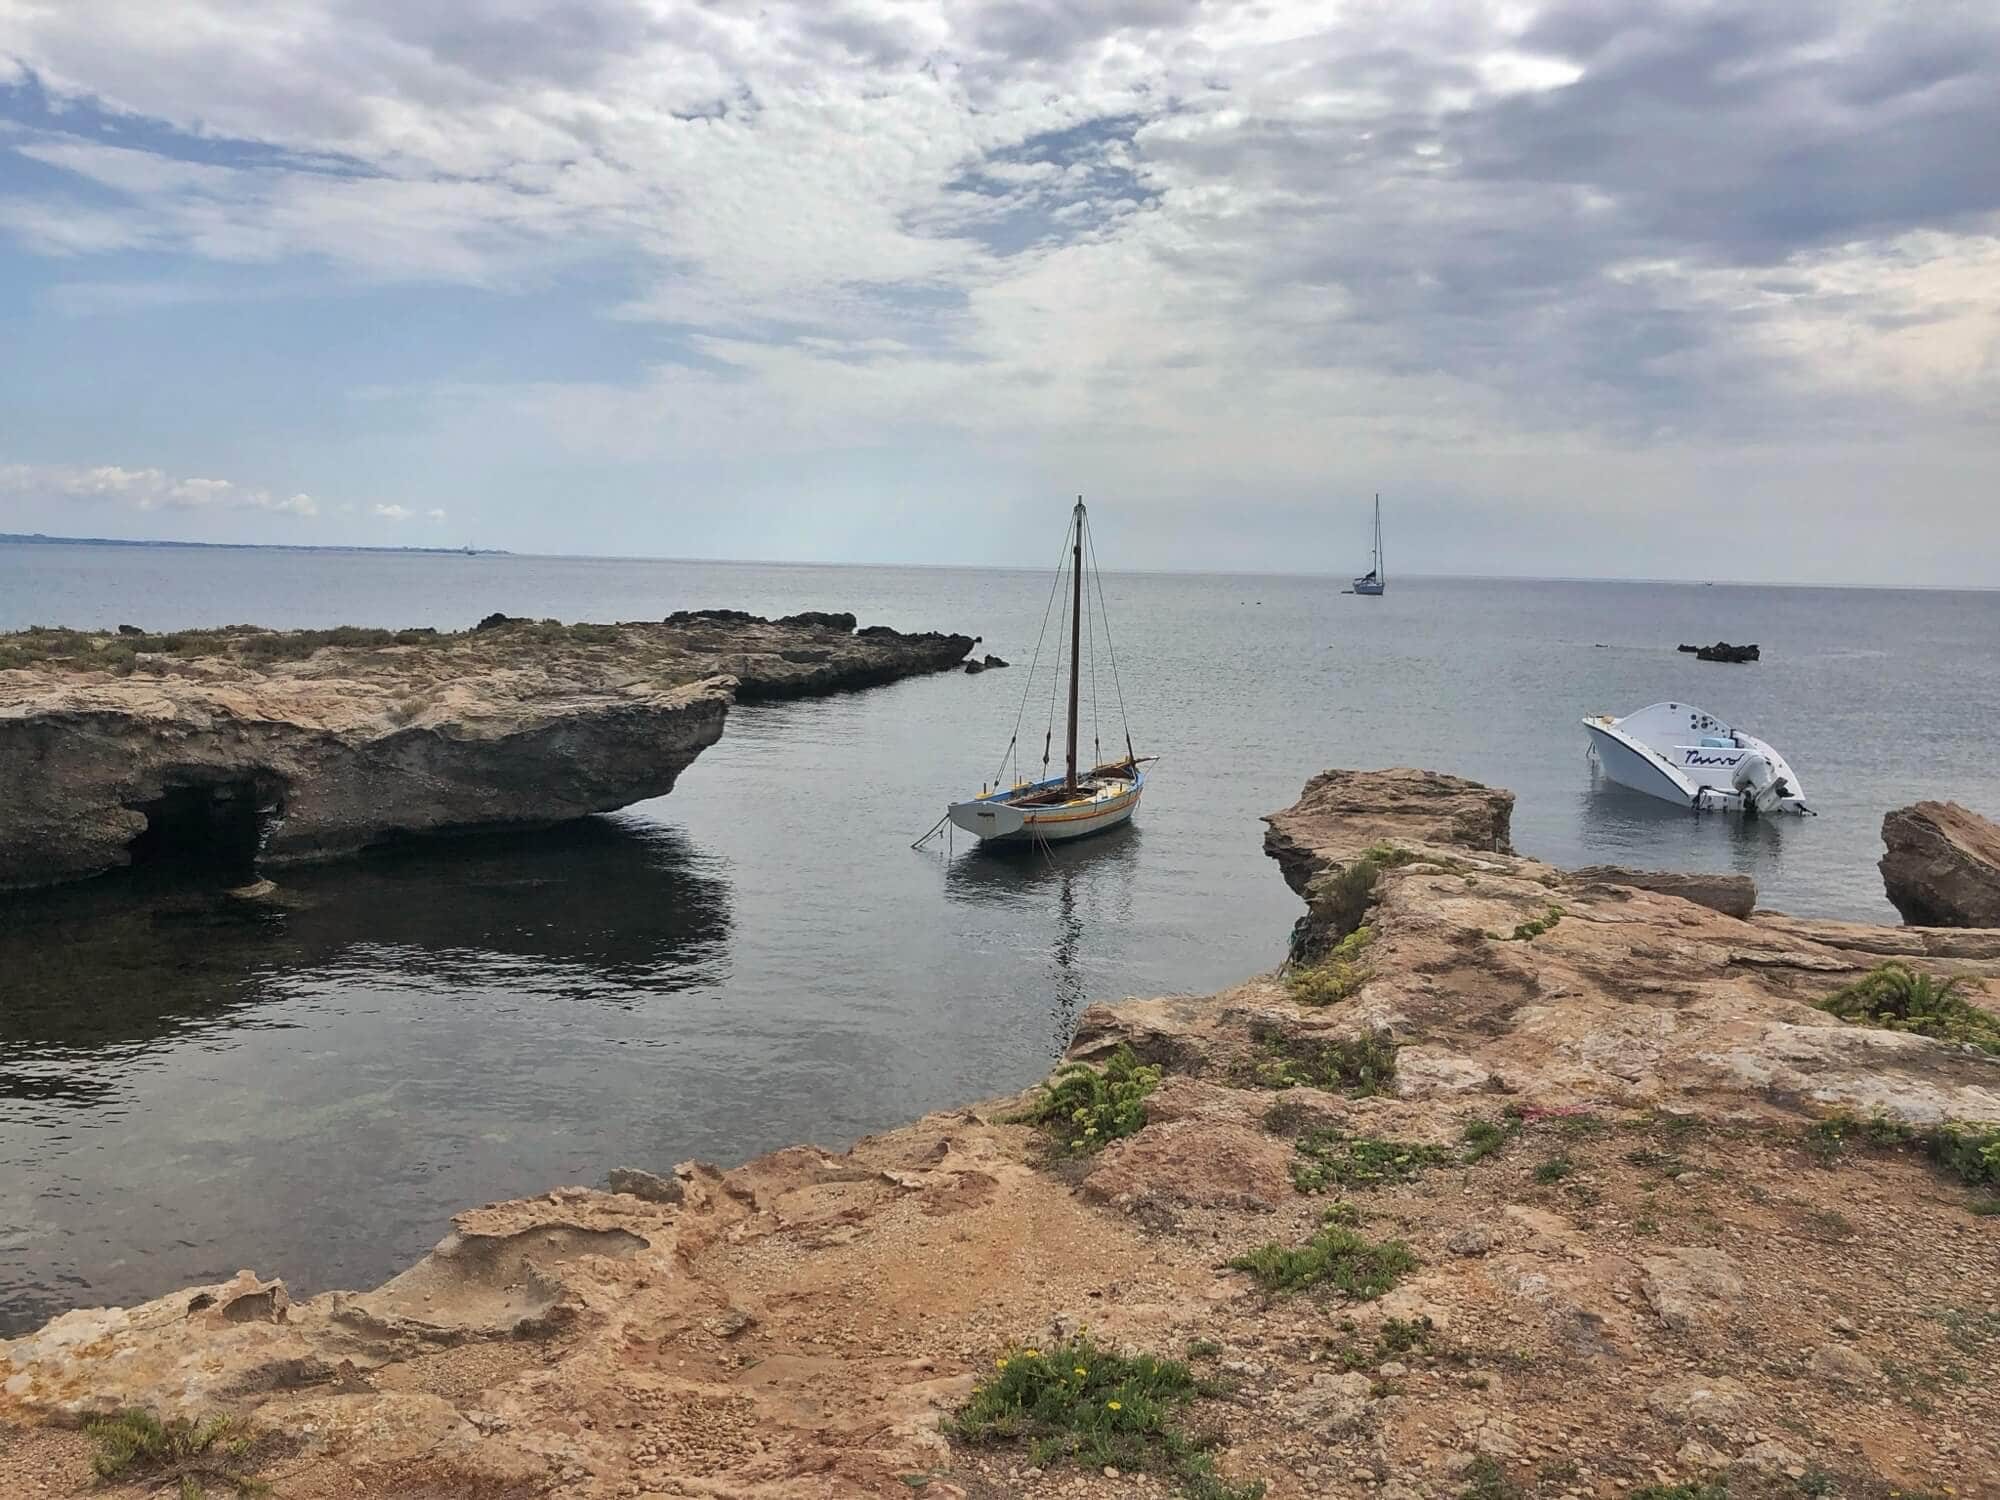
(43, 539)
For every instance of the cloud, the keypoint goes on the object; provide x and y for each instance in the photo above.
(146, 489)
(1227, 246)
(435, 514)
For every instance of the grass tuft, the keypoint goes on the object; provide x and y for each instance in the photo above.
(1327, 1158)
(1336, 1256)
(1487, 1480)
(1527, 932)
(1896, 997)
(136, 1446)
(1359, 1067)
(1555, 1169)
(1483, 1138)
(1084, 1110)
(1969, 1152)
(1081, 1402)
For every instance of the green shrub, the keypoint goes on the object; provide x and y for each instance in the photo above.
(1485, 1137)
(1555, 1169)
(1081, 1402)
(1527, 932)
(1335, 975)
(1356, 1066)
(136, 1446)
(1896, 997)
(1487, 1480)
(1969, 1152)
(1084, 1110)
(1713, 1490)
(1336, 1256)
(1327, 1158)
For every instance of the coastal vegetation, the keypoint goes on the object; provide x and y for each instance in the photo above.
(1083, 1110)
(1082, 1402)
(1534, 927)
(1896, 997)
(1969, 1151)
(1328, 1157)
(1337, 1256)
(1335, 975)
(1358, 1066)
(183, 1455)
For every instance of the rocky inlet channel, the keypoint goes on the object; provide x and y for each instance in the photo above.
(1512, 1182)
(247, 749)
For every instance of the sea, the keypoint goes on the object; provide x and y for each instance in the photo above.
(762, 958)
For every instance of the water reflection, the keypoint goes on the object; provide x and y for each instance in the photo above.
(601, 909)
(1621, 826)
(1059, 891)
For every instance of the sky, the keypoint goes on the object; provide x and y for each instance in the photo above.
(1691, 288)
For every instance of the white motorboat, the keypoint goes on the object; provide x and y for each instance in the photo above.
(1680, 754)
(1048, 808)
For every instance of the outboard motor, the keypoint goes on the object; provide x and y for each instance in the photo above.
(1761, 786)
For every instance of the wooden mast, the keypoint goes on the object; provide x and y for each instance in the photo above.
(1075, 641)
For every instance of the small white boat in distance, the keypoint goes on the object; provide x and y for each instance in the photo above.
(1678, 753)
(1076, 803)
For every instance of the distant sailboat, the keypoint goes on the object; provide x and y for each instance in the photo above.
(1376, 580)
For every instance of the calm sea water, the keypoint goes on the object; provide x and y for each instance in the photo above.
(760, 958)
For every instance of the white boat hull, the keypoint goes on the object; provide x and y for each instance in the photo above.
(994, 820)
(1705, 775)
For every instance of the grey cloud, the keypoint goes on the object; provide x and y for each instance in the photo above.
(1053, 30)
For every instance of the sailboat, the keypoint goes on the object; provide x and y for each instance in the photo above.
(1079, 801)
(1375, 581)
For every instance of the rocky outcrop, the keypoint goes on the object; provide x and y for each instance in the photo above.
(1723, 651)
(1942, 868)
(1626, 1272)
(232, 748)
(1732, 895)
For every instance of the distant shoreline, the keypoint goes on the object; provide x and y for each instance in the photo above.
(40, 539)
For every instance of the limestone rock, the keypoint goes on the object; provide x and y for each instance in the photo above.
(1732, 895)
(648, 1185)
(1836, 1364)
(1707, 1403)
(1942, 868)
(263, 758)
(1342, 813)
(1769, 1457)
(1472, 1239)
(1688, 1286)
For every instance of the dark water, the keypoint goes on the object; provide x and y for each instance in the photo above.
(760, 958)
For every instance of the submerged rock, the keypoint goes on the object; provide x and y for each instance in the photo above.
(1942, 868)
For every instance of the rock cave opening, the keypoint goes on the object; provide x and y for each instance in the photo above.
(217, 825)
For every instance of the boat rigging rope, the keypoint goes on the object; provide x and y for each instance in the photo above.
(1055, 675)
(1027, 687)
(1111, 647)
(1096, 737)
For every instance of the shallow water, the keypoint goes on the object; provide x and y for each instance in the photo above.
(760, 958)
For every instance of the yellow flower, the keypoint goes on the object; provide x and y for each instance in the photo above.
(1000, 1364)
(1080, 1370)
(1114, 1406)
(1034, 1353)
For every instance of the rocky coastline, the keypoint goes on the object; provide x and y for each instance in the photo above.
(258, 749)
(1600, 1198)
